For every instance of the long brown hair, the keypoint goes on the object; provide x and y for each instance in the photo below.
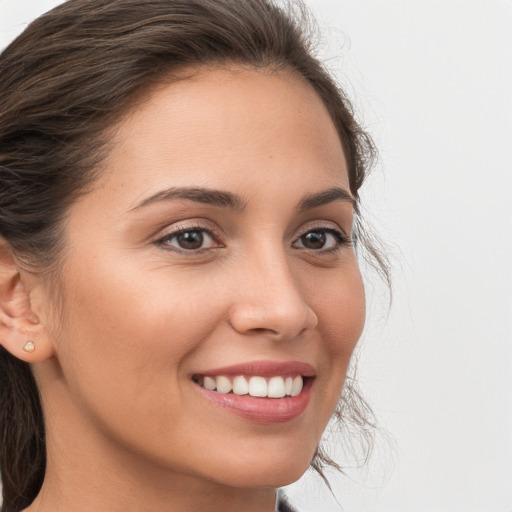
(64, 82)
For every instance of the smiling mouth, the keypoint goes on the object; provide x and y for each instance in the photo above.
(263, 392)
(255, 385)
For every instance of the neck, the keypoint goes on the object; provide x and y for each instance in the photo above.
(112, 484)
(87, 470)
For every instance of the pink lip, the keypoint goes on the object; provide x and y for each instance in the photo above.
(264, 369)
(262, 410)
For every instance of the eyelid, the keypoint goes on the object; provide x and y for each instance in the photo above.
(323, 224)
(216, 235)
(333, 229)
(181, 227)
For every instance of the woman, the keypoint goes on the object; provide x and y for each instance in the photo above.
(180, 294)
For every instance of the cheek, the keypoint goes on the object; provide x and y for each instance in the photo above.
(127, 330)
(340, 307)
(345, 318)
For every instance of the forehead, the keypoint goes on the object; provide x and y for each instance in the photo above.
(229, 127)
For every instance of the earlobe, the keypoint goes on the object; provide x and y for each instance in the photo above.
(21, 332)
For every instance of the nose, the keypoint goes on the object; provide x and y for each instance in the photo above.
(269, 301)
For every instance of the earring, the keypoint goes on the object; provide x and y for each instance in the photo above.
(29, 347)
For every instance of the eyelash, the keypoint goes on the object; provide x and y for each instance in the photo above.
(164, 241)
(341, 239)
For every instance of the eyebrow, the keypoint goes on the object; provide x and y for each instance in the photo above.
(197, 194)
(311, 201)
(234, 201)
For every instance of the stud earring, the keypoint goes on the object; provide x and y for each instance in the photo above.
(29, 347)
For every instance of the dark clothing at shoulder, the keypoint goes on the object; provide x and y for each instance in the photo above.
(284, 505)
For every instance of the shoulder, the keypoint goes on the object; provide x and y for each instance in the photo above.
(283, 505)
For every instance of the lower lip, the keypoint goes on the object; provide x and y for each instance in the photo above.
(262, 410)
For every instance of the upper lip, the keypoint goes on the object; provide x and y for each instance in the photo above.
(263, 369)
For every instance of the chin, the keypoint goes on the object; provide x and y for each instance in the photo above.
(271, 472)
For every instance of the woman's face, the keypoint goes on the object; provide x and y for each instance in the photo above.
(213, 251)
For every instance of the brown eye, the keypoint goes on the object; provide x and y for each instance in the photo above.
(313, 240)
(191, 240)
(322, 239)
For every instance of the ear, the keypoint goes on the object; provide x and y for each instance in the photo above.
(19, 324)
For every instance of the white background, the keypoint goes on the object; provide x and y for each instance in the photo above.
(433, 83)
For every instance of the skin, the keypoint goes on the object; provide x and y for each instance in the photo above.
(138, 315)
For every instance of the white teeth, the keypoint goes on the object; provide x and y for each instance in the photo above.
(288, 385)
(240, 386)
(223, 384)
(258, 386)
(209, 383)
(276, 387)
(297, 385)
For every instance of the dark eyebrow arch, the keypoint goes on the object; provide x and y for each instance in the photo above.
(326, 196)
(197, 194)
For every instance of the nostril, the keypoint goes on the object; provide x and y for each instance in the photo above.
(258, 330)
(285, 316)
